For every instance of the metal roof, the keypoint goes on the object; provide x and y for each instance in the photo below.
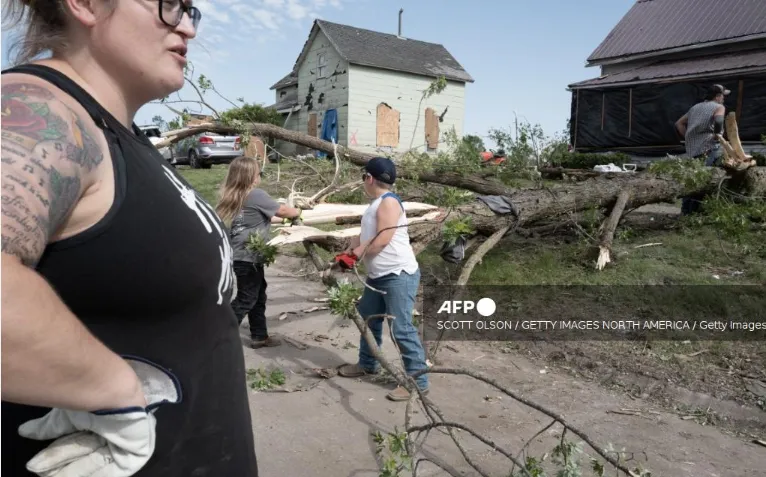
(747, 61)
(656, 25)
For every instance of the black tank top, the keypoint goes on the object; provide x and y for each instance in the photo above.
(154, 279)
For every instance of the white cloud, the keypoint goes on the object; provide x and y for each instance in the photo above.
(267, 18)
(213, 12)
(296, 11)
(226, 21)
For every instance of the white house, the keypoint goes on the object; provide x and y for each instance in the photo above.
(367, 86)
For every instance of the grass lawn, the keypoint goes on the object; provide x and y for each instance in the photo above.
(686, 256)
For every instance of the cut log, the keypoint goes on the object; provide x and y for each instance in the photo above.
(300, 233)
(328, 213)
(356, 219)
(734, 156)
(607, 236)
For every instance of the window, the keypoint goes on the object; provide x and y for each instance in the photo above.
(282, 94)
(321, 65)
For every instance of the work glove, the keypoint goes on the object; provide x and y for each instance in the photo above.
(107, 443)
(295, 220)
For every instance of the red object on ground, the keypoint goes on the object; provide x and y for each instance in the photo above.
(346, 260)
(489, 157)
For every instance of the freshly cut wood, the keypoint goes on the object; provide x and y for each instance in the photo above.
(605, 247)
(300, 233)
(734, 156)
(327, 213)
(355, 219)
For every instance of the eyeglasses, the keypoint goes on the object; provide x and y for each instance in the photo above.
(172, 11)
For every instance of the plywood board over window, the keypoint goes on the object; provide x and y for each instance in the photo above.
(312, 127)
(432, 129)
(387, 126)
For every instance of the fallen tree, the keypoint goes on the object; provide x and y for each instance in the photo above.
(666, 182)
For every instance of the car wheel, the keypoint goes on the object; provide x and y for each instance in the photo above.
(194, 159)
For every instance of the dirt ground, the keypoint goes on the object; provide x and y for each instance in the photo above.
(323, 427)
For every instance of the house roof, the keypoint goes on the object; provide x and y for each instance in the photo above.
(288, 101)
(657, 25)
(707, 66)
(289, 79)
(382, 50)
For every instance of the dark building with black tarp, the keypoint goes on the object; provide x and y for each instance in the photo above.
(658, 62)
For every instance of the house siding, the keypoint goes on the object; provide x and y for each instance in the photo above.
(318, 94)
(368, 87)
(288, 148)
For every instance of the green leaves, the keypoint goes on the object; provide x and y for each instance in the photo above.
(692, 173)
(397, 459)
(455, 228)
(343, 299)
(261, 379)
(261, 250)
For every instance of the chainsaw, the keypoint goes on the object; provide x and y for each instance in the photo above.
(345, 261)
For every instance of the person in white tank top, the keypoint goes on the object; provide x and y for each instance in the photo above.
(384, 247)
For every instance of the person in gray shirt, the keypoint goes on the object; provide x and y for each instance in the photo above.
(700, 127)
(246, 210)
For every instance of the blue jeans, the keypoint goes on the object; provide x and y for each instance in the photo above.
(399, 301)
(691, 204)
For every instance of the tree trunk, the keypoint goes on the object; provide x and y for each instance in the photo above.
(601, 190)
(533, 204)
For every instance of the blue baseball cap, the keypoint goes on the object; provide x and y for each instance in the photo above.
(382, 169)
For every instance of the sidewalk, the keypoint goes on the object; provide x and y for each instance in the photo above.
(325, 431)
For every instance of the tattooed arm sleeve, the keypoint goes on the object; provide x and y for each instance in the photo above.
(49, 358)
(47, 155)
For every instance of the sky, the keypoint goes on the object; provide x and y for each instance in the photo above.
(522, 55)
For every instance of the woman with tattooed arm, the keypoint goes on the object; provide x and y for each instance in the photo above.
(120, 350)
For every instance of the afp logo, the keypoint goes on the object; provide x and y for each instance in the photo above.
(485, 307)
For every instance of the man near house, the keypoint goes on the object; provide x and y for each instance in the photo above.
(392, 268)
(699, 127)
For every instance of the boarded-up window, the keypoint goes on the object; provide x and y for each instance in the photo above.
(432, 129)
(312, 128)
(387, 126)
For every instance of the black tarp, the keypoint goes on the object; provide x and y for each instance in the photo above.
(642, 118)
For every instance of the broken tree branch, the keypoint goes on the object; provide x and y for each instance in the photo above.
(607, 236)
(479, 254)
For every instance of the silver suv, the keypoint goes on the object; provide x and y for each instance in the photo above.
(206, 149)
(153, 133)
